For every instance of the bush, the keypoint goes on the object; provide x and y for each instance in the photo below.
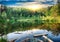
(3, 40)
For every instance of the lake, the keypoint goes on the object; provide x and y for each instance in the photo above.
(55, 37)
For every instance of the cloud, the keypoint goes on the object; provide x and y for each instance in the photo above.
(14, 2)
(20, 0)
(24, 3)
(30, 0)
(27, 3)
(17, 0)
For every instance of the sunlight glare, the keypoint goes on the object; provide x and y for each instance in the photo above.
(34, 29)
(34, 7)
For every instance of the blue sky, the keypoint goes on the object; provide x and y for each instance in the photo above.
(18, 0)
(24, 2)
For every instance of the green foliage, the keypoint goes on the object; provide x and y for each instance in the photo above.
(19, 18)
(3, 40)
(55, 10)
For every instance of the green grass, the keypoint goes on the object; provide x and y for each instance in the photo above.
(3, 40)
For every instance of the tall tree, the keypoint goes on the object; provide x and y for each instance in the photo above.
(58, 1)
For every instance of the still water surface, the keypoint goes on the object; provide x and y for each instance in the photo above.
(55, 36)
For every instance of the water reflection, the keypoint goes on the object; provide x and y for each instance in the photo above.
(55, 36)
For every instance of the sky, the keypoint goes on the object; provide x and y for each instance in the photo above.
(26, 2)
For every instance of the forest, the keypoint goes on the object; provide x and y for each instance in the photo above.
(18, 19)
